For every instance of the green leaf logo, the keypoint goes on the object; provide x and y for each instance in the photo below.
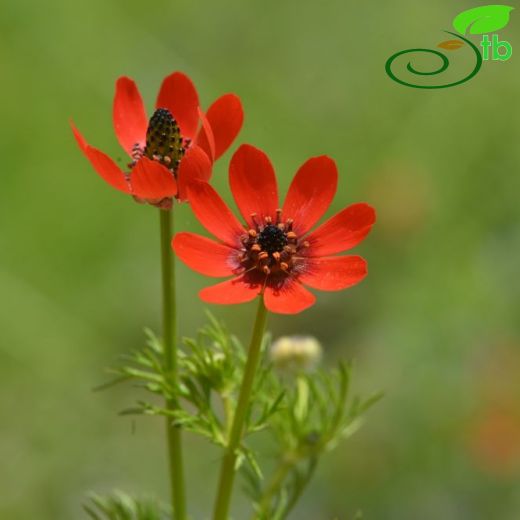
(480, 20)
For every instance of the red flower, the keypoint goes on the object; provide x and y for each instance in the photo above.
(274, 254)
(170, 150)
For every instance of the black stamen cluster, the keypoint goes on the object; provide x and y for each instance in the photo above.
(272, 239)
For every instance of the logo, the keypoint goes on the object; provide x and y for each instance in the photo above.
(478, 21)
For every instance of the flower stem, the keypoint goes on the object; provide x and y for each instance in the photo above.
(277, 481)
(274, 486)
(228, 468)
(173, 433)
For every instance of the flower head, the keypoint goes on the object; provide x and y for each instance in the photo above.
(275, 254)
(295, 354)
(170, 150)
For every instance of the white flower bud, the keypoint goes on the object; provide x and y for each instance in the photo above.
(295, 353)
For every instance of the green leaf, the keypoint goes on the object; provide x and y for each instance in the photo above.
(120, 506)
(480, 20)
(373, 399)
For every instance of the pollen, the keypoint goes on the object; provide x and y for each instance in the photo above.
(164, 142)
(269, 247)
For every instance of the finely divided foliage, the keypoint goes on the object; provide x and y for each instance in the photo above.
(306, 415)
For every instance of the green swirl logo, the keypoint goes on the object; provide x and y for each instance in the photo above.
(480, 20)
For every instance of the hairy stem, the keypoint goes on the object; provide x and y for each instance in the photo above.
(173, 433)
(228, 468)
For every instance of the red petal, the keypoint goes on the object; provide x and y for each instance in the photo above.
(129, 116)
(291, 298)
(231, 291)
(213, 214)
(103, 165)
(225, 116)
(204, 255)
(195, 165)
(343, 231)
(179, 96)
(206, 139)
(334, 273)
(152, 180)
(311, 193)
(253, 183)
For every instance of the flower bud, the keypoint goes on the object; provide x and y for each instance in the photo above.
(295, 353)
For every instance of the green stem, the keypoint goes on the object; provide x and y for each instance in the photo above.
(274, 486)
(228, 413)
(313, 462)
(227, 470)
(173, 433)
(290, 460)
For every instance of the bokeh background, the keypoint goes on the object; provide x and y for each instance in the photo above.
(435, 326)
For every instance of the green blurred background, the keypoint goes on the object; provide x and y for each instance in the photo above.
(435, 325)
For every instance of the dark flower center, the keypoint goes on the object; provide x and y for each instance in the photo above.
(164, 142)
(272, 239)
(270, 247)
